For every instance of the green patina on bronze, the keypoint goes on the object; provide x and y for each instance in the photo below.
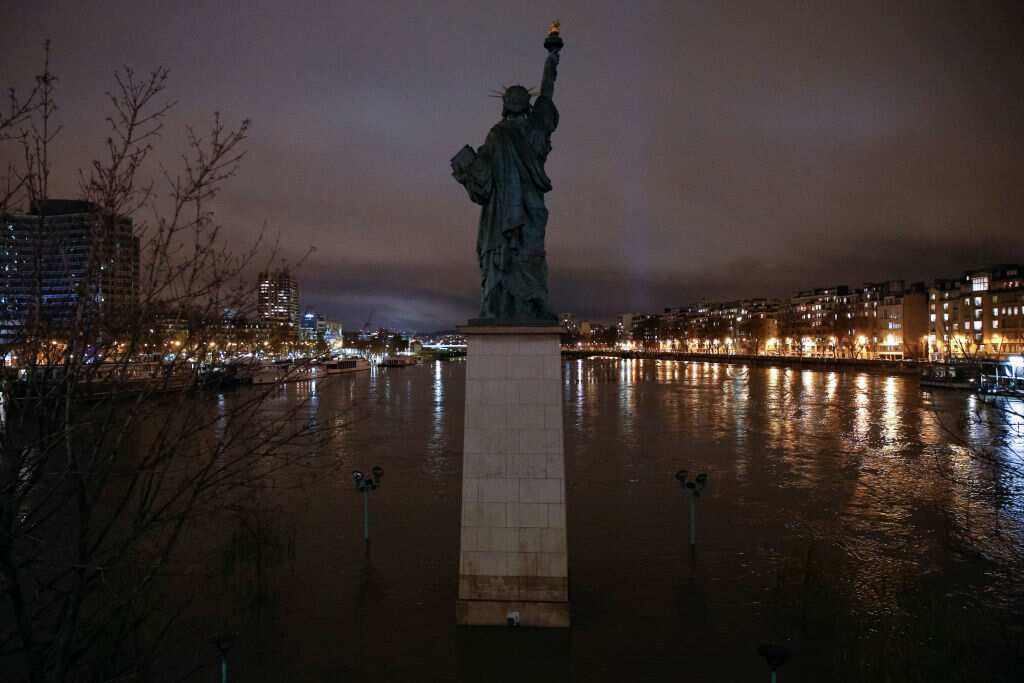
(506, 177)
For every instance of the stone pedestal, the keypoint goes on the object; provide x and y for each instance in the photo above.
(513, 551)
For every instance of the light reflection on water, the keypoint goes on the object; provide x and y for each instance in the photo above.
(862, 466)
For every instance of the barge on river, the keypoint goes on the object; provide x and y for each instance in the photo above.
(397, 361)
(989, 377)
(303, 371)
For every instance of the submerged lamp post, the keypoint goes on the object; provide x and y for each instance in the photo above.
(775, 656)
(223, 643)
(693, 488)
(364, 485)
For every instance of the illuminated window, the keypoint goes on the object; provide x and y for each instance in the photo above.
(995, 324)
(945, 316)
(977, 325)
(979, 283)
(977, 301)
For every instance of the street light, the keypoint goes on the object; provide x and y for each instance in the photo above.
(364, 485)
(223, 643)
(775, 656)
(693, 488)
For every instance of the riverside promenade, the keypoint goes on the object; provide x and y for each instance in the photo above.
(904, 367)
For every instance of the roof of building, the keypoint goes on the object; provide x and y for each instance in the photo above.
(61, 207)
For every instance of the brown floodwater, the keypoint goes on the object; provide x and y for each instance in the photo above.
(873, 528)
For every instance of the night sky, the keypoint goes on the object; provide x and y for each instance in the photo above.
(706, 149)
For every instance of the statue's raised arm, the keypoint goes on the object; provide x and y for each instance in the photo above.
(553, 43)
(547, 83)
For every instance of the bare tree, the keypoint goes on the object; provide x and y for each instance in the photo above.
(12, 121)
(112, 448)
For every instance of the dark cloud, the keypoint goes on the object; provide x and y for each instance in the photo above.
(707, 150)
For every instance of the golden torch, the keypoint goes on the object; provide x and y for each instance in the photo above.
(554, 42)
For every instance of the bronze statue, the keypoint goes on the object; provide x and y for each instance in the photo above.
(506, 177)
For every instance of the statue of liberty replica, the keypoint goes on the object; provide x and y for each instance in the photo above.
(506, 177)
(513, 548)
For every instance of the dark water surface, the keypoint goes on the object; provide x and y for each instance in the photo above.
(846, 517)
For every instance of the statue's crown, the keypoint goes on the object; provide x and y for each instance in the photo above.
(516, 99)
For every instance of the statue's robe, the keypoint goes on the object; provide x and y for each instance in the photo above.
(507, 178)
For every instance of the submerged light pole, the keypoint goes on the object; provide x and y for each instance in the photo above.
(364, 485)
(694, 488)
(224, 643)
(775, 656)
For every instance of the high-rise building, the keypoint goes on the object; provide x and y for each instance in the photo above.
(278, 300)
(313, 326)
(62, 258)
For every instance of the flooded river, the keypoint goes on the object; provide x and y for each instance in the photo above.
(873, 529)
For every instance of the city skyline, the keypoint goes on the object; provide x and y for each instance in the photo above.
(796, 149)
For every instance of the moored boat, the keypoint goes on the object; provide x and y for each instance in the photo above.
(305, 370)
(1004, 378)
(950, 376)
(341, 366)
(993, 377)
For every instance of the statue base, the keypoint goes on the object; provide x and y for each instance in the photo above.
(513, 561)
